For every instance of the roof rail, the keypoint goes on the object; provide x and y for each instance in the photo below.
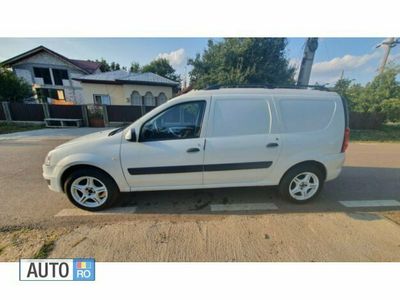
(267, 86)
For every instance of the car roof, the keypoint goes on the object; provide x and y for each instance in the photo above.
(259, 91)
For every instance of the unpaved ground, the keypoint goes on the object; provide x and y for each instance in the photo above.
(297, 237)
(28, 242)
(181, 226)
(276, 237)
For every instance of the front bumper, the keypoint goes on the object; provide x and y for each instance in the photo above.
(52, 181)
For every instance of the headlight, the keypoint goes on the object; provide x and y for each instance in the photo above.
(47, 159)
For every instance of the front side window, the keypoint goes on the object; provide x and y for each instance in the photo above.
(236, 117)
(102, 99)
(181, 121)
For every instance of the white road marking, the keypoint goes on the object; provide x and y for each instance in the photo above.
(370, 203)
(76, 212)
(243, 206)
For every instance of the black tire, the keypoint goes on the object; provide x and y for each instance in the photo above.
(284, 185)
(112, 188)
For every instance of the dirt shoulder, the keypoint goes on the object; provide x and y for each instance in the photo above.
(273, 237)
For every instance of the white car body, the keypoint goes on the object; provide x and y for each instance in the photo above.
(221, 161)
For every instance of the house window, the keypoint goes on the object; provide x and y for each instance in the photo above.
(161, 99)
(149, 99)
(59, 75)
(44, 94)
(102, 99)
(43, 73)
(136, 99)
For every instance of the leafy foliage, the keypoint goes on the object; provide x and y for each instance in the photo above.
(135, 67)
(382, 94)
(13, 88)
(391, 108)
(161, 67)
(242, 61)
(107, 67)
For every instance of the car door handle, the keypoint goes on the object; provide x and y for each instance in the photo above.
(272, 145)
(192, 150)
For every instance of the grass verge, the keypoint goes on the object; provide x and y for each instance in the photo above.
(387, 133)
(14, 127)
(45, 250)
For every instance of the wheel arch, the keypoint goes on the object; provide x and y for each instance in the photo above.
(68, 171)
(318, 164)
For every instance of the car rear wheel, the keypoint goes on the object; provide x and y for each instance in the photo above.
(91, 190)
(301, 184)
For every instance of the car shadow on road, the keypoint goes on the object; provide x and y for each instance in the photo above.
(354, 184)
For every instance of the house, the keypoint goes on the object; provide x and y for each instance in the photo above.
(51, 74)
(125, 88)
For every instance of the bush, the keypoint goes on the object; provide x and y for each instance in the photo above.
(391, 108)
(13, 88)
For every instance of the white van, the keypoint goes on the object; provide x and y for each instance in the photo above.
(223, 137)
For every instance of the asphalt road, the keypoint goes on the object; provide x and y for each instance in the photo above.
(236, 224)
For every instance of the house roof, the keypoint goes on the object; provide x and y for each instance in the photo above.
(124, 77)
(87, 67)
(90, 66)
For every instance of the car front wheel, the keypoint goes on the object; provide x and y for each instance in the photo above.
(91, 190)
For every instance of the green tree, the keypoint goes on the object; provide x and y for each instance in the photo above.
(13, 88)
(162, 67)
(382, 87)
(351, 91)
(135, 67)
(391, 108)
(370, 98)
(242, 61)
(107, 67)
(115, 66)
(342, 86)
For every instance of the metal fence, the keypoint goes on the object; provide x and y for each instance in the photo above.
(2, 115)
(123, 113)
(26, 112)
(65, 111)
(105, 115)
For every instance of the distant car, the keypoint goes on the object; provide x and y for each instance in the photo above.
(227, 137)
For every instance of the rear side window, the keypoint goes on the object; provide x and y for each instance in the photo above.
(234, 117)
(305, 115)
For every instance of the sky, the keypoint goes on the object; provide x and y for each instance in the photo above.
(357, 58)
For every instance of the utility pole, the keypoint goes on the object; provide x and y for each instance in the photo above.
(387, 44)
(307, 61)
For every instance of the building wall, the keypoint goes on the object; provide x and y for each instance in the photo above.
(120, 94)
(72, 88)
(44, 58)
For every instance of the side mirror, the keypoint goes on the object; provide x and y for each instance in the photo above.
(131, 135)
